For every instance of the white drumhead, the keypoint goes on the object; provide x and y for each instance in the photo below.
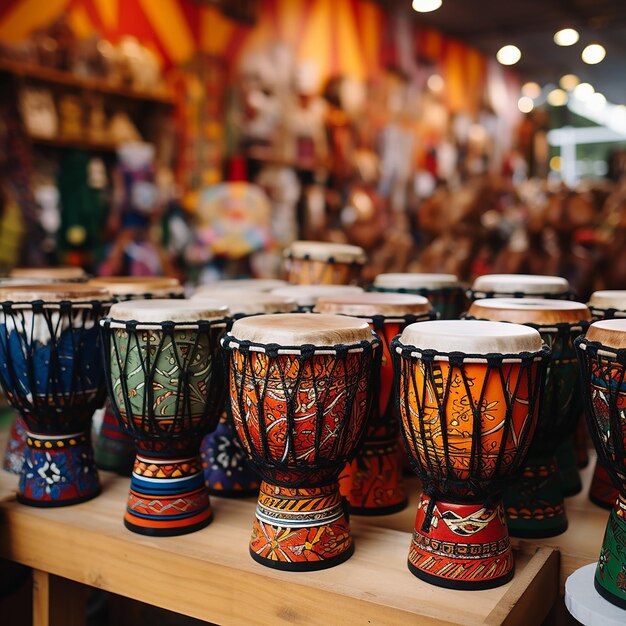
(323, 251)
(308, 295)
(539, 311)
(374, 303)
(157, 311)
(54, 292)
(521, 283)
(298, 329)
(471, 337)
(155, 286)
(246, 303)
(249, 284)
(609, 299)
(55, 273)
(610, 333)
(412, 280)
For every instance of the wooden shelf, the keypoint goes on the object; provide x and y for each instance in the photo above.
(209, 574)
(58, 77)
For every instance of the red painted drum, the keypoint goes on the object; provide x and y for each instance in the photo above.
(372, 482)
(300, 399)
(469, 403)
(323, 263)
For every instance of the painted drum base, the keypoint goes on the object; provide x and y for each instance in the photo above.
(114, 450)
(571, 484)
(463, 546)
(610, 578)
(227, 471)
(16, 445)
(167, 497)
(602, 492)
(58, 471)
(300, 529)
(372, 483)
(534, 504)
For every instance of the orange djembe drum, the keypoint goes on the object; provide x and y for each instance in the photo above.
(300, 399)
(468, 400)
(323, 263)
(372, 482)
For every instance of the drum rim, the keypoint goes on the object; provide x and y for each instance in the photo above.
(135, 325)
(602, 305)
(337, 252)
(561, 285)
(439, 280)
(305, 295)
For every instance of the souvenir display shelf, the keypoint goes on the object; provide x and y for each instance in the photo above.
(209, 574)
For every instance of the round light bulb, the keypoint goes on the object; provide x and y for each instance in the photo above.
(525, 104)
(426, 6)
(597, 101)
(435, 83)
(584, 91)
(531, 90)
(557, 98)
(555, 163)
(569, 81)
(566, 37)
(593, 53)
(509, 55)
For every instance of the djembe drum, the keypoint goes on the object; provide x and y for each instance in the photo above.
(51, 372)
(602, 356)
(605, 305)
(468, 398)
(534, 505)
(443, 291)
(227, 472)
(44, 274)
(372, 482)
(299, 390)
(113, 449)
(323, 263)
(551, 288)
(306, 296)
(164, 380)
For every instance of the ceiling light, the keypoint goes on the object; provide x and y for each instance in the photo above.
(569, 81)
(584, 91)
(525, 104)
(557, 98)
(593, 53)
(508, 55)
(531, 90)
(566, 37)
(435, 83)
(555, 163)
(597, 101)
(426, 6)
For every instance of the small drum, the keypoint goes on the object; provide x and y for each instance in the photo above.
(605, 305)
(164, 380)
(534, 505)
(602, 355)
(51, 372)
(372, 482)
(227, 472)
(300, 399)
(520, 286)
(114, 450)
(307, 295)
(443, 291)
(242, 284)
(468, 402)
(322, 263)
(44, 274)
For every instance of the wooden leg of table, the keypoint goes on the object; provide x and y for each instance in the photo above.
(57, 601)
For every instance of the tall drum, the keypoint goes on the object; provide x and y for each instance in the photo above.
(51, 372)
(602, 355)
(299, 391)
(372, 482)
(227, 472)
(322, 263)
(468, 394)
(164, 381)
(443, 291)
(114, 450)
(535, 505)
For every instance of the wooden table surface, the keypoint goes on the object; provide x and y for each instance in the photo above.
(210, 575)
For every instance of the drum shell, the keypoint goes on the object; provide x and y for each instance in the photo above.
(306, 271)
(449, 302)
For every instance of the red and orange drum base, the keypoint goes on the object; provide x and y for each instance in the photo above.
(461, 546)
(167, 497)
(300, 529)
